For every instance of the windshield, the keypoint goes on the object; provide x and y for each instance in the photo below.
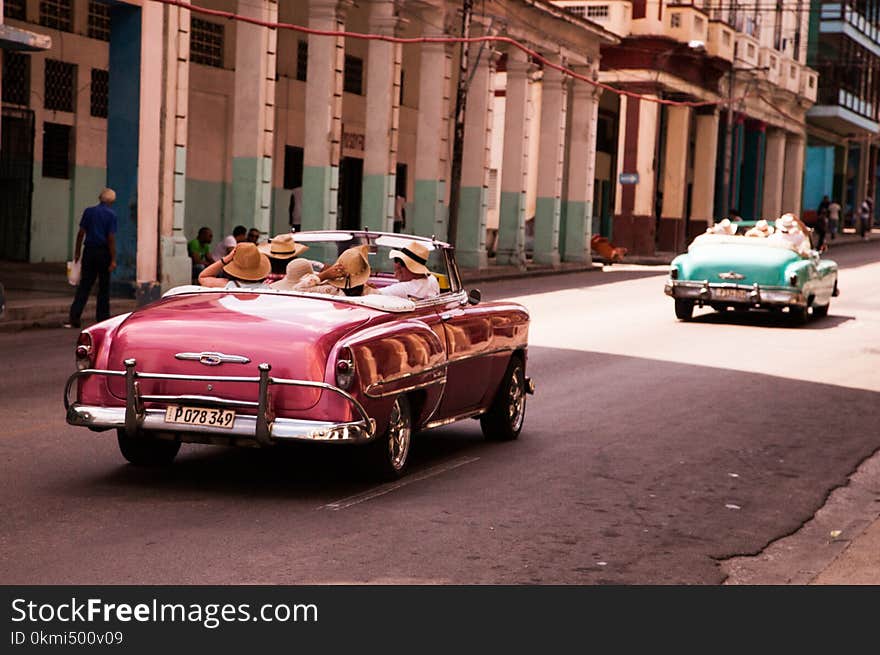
(325, 248)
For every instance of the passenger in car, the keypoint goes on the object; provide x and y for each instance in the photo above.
(281, 249)
(414, 279)
(245, 268)
(350, 272)
(761, 229)
(792, 233)
(301, 277)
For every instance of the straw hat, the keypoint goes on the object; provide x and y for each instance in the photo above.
(248, 263)
(786, 223)
(357, 268)
(723, 227)
(282, 246)
(414, 257)
(296, 270)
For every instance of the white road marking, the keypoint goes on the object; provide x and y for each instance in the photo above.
(391, 486)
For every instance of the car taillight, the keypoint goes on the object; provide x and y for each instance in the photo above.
(793, 279)
(673, 273)
(345, 369)
(84, 351)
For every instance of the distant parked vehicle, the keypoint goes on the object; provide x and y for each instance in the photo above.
(744, 273)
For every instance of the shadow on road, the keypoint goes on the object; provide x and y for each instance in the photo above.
(758, 319)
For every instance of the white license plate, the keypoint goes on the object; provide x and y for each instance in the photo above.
(740, 295)
(202, 416)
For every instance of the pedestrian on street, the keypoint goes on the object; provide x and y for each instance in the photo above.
(833, 218)
(200, 252)
(866, 216)
(294, 209)
(96, 241)
(822, 223)
(253, 235)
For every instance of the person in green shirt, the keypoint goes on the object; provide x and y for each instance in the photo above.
(200, 252)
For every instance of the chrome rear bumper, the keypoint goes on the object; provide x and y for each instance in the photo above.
(735, 294)
(260, 427)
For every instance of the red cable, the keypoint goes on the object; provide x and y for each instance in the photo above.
(448, 39)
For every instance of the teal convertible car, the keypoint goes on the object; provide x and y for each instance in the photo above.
(744, 272)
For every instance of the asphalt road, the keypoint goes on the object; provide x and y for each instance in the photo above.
(652, 451)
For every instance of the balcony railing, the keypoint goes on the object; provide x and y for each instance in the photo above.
(843, 12)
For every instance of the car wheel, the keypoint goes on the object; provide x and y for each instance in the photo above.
(389, 452)
(820, 311)
(147, 451)
(684, 309)
(504, 419)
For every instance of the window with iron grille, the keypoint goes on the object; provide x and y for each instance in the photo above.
(597, 11)
(57, 14)
(577, 10)
(353, 76)
(99, 21)
(15, 9)
(302, 60)
(56, 150)
(59, 81)
(100, 92)
(16, 78)
(675, 19)
(206, 43)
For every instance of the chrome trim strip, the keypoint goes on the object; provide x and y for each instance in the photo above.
(453, 419)
(369, 391)
(213, 358)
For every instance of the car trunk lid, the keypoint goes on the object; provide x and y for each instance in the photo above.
(745, 264)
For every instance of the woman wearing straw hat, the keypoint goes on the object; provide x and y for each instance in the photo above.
(244, 268)
(414, 279)
(351, 271)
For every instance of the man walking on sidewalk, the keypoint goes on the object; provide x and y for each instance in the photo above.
(97, 229)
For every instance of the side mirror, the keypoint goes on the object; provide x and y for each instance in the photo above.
(474, 297)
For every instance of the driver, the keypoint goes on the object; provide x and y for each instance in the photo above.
(414, 279)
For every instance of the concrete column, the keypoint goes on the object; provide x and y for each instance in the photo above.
(634, 225)
(174, 263)
(674, 184)
(383, 115)
(432, 137)
(471, 237)
(793, 178)
(584, 111)
(774, 171)
(324, 112)
(705, 161)
(863, 175)
(514, 171)
(146, 206)
(551, 160)
(254, 115)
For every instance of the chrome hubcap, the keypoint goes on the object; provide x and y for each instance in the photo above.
(516, 399)
(399, 431)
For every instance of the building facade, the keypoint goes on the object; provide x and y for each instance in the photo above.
(712, 118)
(196, 120)
(843, 126)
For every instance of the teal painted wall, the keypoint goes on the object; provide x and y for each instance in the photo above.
(471, 238)
(428, 214)
(819, 175)
(206, 204)
(56, 208)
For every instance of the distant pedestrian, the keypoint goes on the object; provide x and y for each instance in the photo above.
(822, 223)
(294, 209)
(399, 213)
(226, 245)
(96, 241)
(866, 217)
(734, 215)
(253, 235)
(833, 218)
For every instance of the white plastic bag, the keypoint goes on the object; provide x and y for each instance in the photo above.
(74, 269)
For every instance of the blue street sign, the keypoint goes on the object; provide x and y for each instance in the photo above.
(629, 178)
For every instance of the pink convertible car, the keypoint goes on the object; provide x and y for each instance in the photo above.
(262, 367)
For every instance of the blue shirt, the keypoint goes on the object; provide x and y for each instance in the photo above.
(98, 222)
